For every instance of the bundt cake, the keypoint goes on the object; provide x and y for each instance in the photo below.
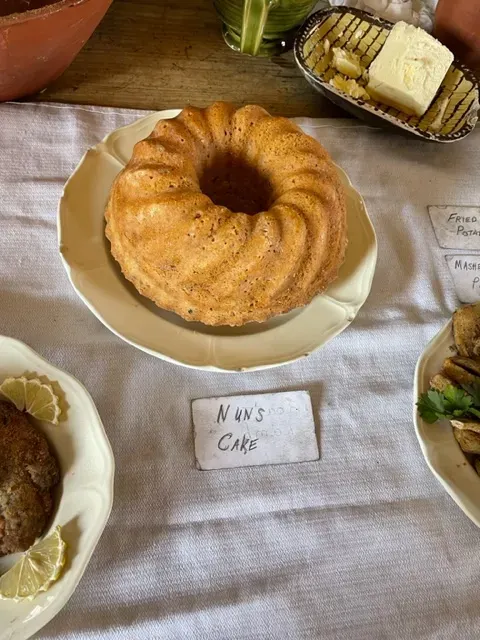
(227, 216)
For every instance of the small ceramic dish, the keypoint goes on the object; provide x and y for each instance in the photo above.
(98, 280)
(439, 447)
(83, 499)
(451, 116)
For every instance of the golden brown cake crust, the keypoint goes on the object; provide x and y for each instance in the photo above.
(283, 243)
(28, 473)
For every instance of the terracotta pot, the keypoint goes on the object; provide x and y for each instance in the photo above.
(36, 46)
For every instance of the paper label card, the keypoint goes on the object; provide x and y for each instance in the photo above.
(456, 227)
(465, 271)
(244, 431)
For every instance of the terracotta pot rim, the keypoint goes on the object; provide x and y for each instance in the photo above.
(33, 14)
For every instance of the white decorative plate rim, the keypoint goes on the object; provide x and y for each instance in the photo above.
(52, 608)
(468, 506)
(363, 274)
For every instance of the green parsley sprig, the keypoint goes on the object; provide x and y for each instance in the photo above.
(452, 403)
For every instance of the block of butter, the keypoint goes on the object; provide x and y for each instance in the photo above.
(409, 69)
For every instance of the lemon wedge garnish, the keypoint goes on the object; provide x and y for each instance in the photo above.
(44, 404)
(33, 396)
(14, 390)
(36, 571)
(32, 387)
(48, 413)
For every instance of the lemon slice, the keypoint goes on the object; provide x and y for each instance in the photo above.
(33, 396)
(48, 413)
(32, 387)
(44, 404)
(37, 570)
(14, 390)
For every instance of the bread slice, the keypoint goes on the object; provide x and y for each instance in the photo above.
(466, 330)
(469, 441)
(471, 365)
(458, 374)
(469, 425)
(439, 382)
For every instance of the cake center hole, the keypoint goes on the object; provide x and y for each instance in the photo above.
(231, 182)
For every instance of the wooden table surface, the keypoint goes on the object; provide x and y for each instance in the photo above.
(160, 54)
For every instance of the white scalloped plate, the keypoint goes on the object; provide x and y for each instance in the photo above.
(98, 281)
(439, 447)
(85, 496)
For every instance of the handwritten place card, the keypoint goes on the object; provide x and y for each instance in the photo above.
(242, 431)
(456, 227)
(465, 272)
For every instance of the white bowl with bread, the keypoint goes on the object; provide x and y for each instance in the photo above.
(446, 410)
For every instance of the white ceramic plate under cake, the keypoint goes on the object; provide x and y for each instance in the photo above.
(97, 278)
(439, 447)
(83, 499)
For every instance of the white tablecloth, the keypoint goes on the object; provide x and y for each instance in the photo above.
(363, 544)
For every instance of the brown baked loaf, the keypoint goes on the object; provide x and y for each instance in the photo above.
(227, 216)
(28, 474)
(466, 330)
